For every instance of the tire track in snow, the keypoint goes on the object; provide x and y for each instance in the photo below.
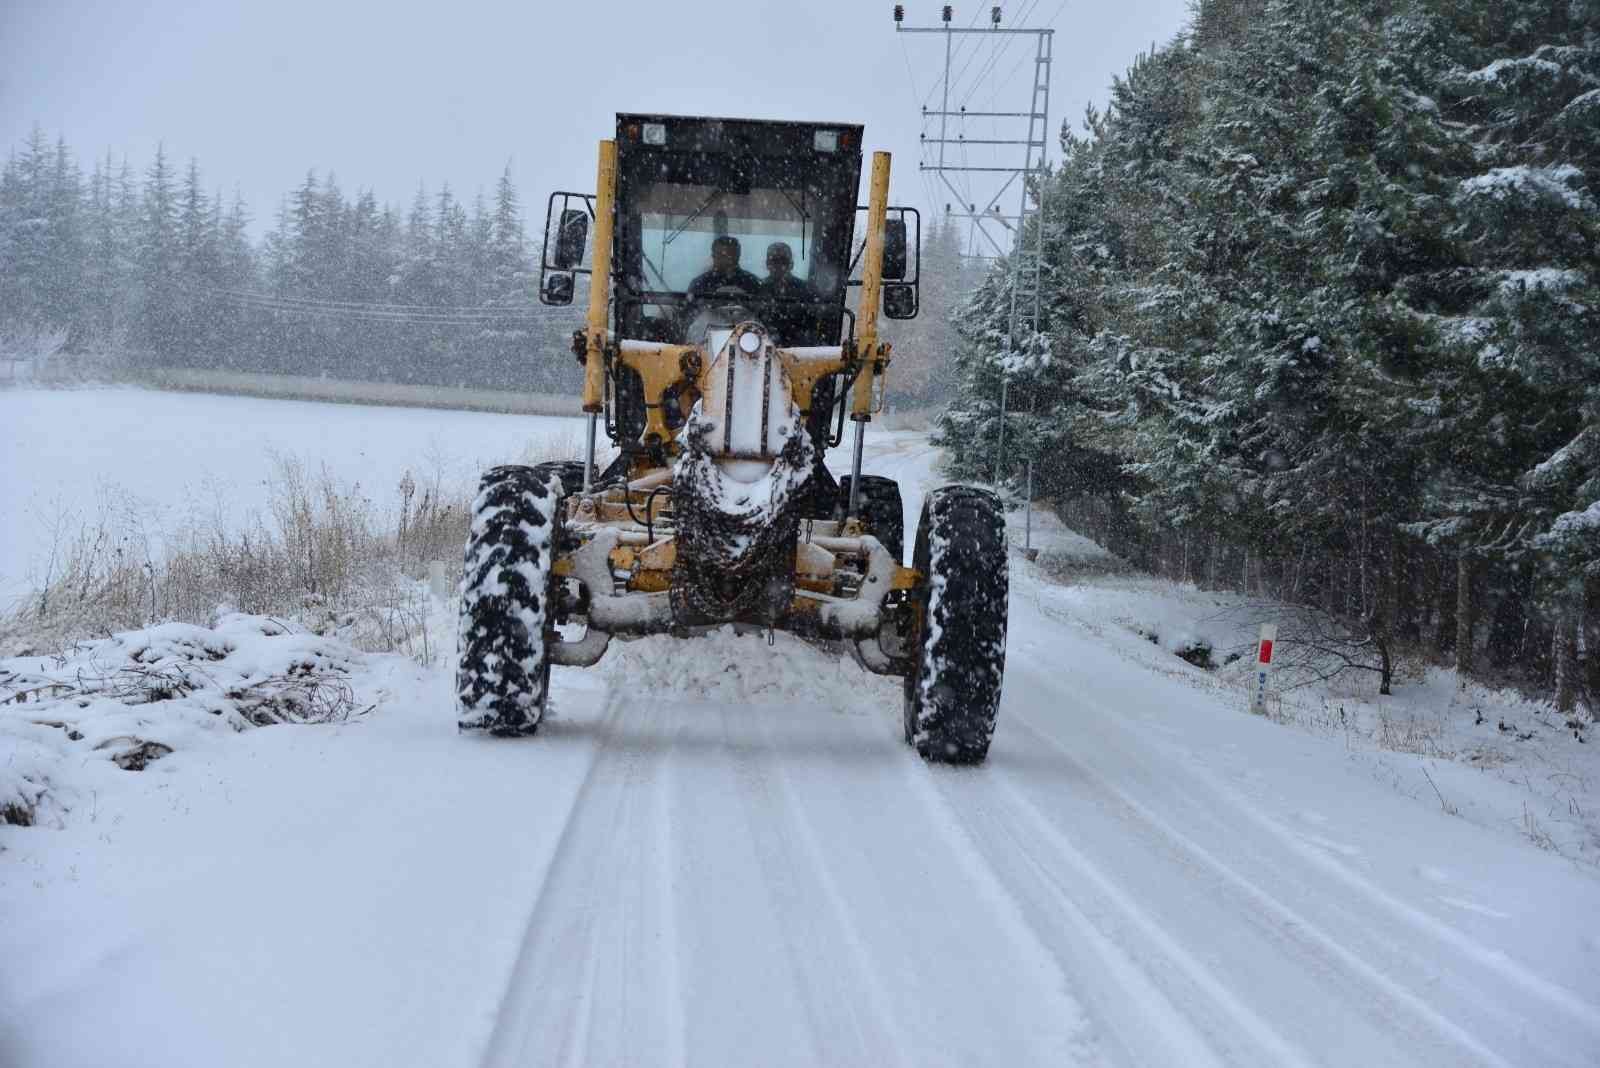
(1149, 1024)
(1286, 928)
(934, 947)
(586, 917)
(1310, 939)
(517, 963)
(666, 832)
(810, 903)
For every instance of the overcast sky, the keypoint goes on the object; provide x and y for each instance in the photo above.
(389, 94)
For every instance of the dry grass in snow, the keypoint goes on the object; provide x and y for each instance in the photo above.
(134, 698)
(320, 551)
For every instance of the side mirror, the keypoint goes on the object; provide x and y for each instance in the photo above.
(557, 290)
(894, 248)
(900, 302)
(571, 236)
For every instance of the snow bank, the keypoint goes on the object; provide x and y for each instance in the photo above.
(1490, 756)
(136, 697)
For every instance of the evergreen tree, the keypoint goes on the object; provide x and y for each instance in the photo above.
(27, 231)
(197, 264)
(61, 285)
(157, 255)
(1319, 286)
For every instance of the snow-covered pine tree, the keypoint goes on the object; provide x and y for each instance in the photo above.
(197, 260)
(510, 347)
(1522, 312)
(160, 308)
(25, 232)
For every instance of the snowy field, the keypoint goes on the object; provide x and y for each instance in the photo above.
(723, 853)
(66, 453)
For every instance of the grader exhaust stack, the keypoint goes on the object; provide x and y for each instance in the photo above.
(723, 391)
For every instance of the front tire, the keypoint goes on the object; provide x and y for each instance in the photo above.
(952, 696)
(507, 601)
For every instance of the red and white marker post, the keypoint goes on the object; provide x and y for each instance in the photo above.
(1269, 635)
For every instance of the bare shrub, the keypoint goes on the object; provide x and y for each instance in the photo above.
(1409, 732)
(1316, 647)
(16, 814)
(323, 552)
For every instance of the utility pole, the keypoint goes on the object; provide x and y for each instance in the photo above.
(1025, 247)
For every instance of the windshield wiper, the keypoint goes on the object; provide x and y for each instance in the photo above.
(701, 210)
(650, 263)
(800, 209)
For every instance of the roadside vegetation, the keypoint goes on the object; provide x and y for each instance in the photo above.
(1320, 293)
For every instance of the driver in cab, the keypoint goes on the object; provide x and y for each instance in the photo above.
(790, 301)
(724, 275)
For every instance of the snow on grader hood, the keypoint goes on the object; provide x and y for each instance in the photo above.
(723, 391)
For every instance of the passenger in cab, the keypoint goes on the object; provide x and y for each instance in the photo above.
(789, 303)
(724, 277)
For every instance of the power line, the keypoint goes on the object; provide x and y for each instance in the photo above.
(1026, 227)
(959, 45)
(994, 59)
(1019, 62)
(418, 315)
(364, 304)
(927, 183)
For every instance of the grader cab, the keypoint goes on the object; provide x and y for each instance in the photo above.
(722, 357)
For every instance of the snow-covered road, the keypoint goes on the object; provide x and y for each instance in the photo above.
(723, 853)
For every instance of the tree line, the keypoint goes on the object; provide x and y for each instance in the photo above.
(155, 269)
(158, 270)
(1321, 319)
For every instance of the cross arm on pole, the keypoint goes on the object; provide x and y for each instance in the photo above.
(984, 230)
(976, 141)
(1001, 170)
(965, 114)
(986, 31)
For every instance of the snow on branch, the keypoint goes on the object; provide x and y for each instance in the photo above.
(1528, 183)
(1505, 72)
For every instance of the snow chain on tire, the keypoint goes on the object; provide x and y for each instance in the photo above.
(507, 614)
(736, 554)
(952, 695)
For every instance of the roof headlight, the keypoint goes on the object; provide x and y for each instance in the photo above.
(826, 141)
(655, 133)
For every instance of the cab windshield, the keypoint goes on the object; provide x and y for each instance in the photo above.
(702, 211)
(678, 223)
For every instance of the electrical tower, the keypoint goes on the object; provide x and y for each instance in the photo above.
(1025, 248)
(1026, 243)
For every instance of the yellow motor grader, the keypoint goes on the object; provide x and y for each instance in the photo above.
(723, 388)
